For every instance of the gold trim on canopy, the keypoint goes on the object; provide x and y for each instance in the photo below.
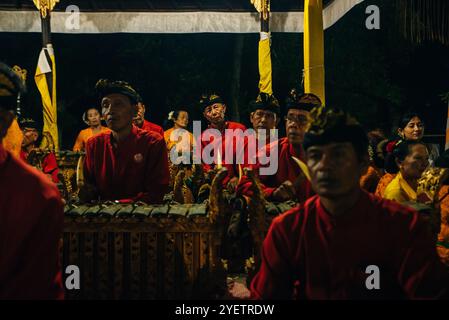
(45, 6)
(262, 6)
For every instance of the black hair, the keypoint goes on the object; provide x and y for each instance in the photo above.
(90, 108)
(353, 134)
(407, 117)
(400, 152)
(375, 137)
(170, 121)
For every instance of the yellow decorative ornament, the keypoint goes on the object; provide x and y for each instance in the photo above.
(45, 6)
(430, 184)
(22, 73)
(14, 136)
(303, 167)
(262, 6)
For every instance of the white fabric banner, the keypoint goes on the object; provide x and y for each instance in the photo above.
(167, 22)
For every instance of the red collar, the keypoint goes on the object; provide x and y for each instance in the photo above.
(134, 131)
(224, 128)
(348, 217)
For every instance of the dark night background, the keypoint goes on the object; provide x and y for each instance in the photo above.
(375, 74)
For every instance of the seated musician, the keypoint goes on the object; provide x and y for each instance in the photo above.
(127, 164)
(411, 159)
(92, 117)
(288, 183)
(345, 243)
(214, 111)
(30, 152)
(31, 215)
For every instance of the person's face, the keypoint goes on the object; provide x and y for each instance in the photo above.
(30, 136)
(140, 117)
(93, 117)
(414, 130)
(296, 123)
(215, 113)
(263, 120)
(335, 169)
(6, 118)
(119, 112)
(182, 120)
(415, 162)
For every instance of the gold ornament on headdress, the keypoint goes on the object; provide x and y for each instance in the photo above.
(105, 83)
(207, 98)
(213, 96)
(262, 6)
(430, 184)
(322, 118)
(22, 73)
(267, 98)
(45, 6)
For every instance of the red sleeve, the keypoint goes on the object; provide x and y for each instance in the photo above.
(39, 276)
(244, 188)
(50, 166)
(421, 273)
(275, 277)
(157, 174)
(244, 185)
(88, 163)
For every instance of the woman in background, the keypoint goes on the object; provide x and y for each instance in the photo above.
(410, 128)
(92, 118)
(182, 139)
(411, 159)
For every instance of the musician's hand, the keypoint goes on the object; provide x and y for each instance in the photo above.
(286, 191)
(237, 291)
(88, 192)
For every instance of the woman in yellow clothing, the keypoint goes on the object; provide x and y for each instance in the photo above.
(411, 158)
(92, 118)
(443, 237)
(181, 139)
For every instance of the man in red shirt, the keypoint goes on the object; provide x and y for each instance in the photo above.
(344, 243)
(127, 164)
(48, 165)
(264, 118)
(288, 182)
(143, 124)
(214, 138)
(30, 231)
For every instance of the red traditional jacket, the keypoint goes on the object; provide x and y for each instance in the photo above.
(287, 169)
(137, 170)
(31, 221)
(311, 254)
(219, 141)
